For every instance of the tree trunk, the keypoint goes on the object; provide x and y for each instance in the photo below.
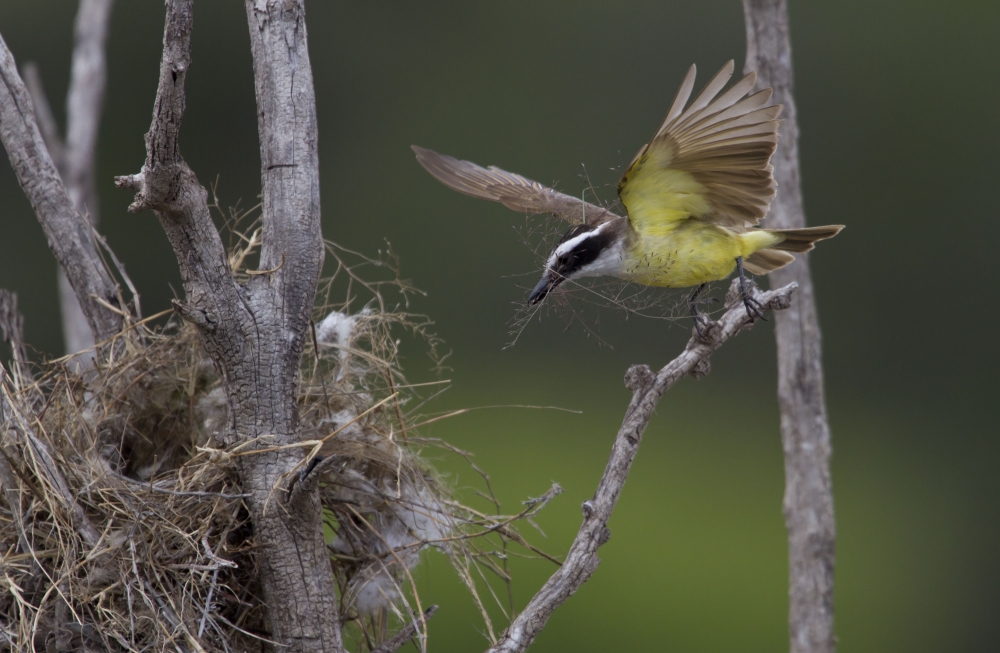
(255, 333)
(805, 431)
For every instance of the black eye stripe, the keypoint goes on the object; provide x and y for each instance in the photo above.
(584, 252)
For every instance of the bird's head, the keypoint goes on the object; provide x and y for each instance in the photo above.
(586, 250)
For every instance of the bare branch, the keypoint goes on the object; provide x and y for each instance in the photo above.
(43, 114)
(69, 234)
(79, 165)
(292, 252)
(647, 388)
(286, 120)
(254, 333)
(85, 101)
(77, 336)
(805, 430)
(75, 159)
(168, 186)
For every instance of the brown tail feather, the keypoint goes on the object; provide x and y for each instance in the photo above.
(766, 260)
(801, 240)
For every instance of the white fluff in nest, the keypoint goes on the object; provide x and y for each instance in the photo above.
(403, 526)
(353, 488)
(352, 430)
(373, 587)
(421, 514)
(336, 329)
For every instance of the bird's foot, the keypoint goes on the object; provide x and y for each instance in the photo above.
(754, 308)
(701, 323)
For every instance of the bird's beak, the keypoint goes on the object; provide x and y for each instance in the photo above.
(542, 289)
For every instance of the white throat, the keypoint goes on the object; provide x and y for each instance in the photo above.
(609, 262)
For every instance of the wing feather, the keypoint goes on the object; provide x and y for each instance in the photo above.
(512, 190)
(712, 156)
(711, 89)
(744, 109)
(683, 95)
(730, 97)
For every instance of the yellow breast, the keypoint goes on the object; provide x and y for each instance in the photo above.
(682, 253)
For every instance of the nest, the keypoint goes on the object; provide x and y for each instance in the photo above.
(122, 525)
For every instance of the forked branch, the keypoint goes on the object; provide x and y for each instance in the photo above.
(647, 388)
(169, 187)
(254, 332)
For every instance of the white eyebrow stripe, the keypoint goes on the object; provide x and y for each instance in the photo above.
(576, 240)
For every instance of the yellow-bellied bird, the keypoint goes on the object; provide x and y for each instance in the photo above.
(694, 196)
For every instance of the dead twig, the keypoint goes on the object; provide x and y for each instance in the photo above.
(647, 388)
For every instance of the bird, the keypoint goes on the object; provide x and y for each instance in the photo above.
(694, 197)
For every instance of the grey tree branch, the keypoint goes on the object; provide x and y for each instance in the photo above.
(805, 430)
(647, 388)
(286, 121)
(299, 582)
(85, 101)
(47, 124)
(255, 333)
(75, 159)
(69, 233)
(79, 167)
(76, 332)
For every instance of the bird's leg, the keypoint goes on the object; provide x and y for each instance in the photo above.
(752, 305)
(693, 306)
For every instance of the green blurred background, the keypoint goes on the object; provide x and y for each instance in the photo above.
(898, 105)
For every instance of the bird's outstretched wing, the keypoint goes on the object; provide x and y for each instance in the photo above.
(512, 190)
(708, 161)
